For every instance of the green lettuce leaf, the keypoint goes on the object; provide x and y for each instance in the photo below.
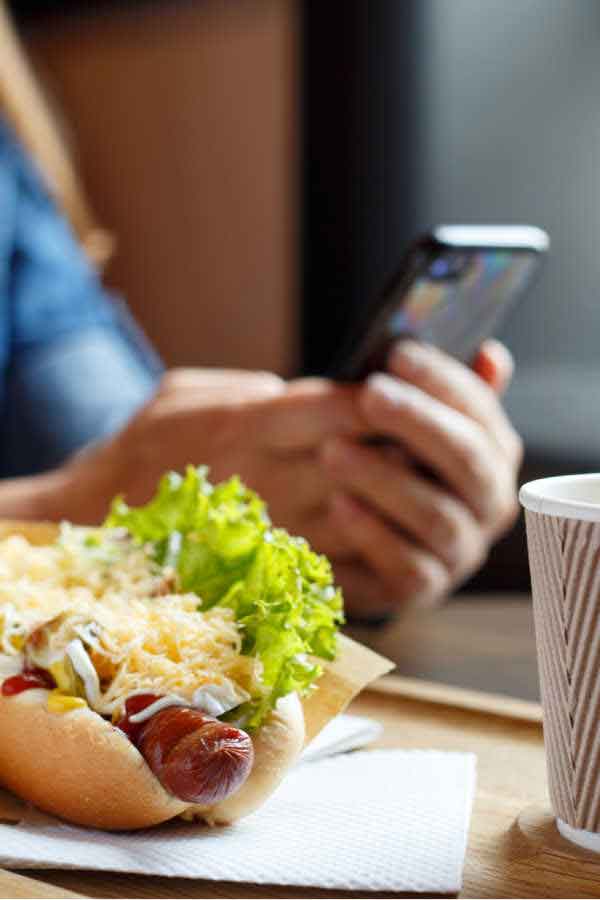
(221, 542)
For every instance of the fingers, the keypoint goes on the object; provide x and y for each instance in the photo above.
(321, 531)
(297, 490)
(221, 385)
(311, 410)
(434, 519)
(454, 384)
(407, 572)
(268, 414)
(495, 365)
(454, 446)
(365, 595)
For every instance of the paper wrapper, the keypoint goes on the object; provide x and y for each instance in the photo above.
(354, 668)
(564, 558)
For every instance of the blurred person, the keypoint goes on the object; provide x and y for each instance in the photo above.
(87, 410)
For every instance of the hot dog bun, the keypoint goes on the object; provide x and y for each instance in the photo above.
(79, 767)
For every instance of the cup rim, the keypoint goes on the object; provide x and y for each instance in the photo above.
(540, 496)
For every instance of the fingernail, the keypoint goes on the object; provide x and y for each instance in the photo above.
(406, 356)
(389, 389)
(504, 360)
(448, 544)
(492, 502)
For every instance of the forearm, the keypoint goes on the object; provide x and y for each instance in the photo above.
(36, 497)
(79, 491)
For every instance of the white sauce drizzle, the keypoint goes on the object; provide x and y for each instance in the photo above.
(216, 699)
(85, 669)
(162, 703)
(212, 699)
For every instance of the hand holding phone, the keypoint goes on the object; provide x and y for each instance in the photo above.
(422, 510)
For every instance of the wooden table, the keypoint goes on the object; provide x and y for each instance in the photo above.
(467, 641)
(485, 642)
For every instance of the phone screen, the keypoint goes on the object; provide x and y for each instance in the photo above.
(452, 289)
(457, 297)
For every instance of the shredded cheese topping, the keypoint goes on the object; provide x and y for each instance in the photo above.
(97, 591)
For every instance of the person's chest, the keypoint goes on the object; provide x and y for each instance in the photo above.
(8, 218)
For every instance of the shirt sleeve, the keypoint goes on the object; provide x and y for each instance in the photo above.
(79, 366)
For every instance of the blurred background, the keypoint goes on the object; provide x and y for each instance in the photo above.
(263, 163)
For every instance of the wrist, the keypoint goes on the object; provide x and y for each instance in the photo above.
(51, 496)
(80, 490)
(37, 498)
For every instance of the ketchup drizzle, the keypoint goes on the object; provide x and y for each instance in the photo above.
(26, 681)
(134, 705)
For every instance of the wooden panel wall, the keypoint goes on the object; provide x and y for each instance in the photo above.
(185, 121)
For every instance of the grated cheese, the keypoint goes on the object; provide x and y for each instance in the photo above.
(95, 593)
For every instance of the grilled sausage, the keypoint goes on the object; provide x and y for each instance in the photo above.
(196, 757)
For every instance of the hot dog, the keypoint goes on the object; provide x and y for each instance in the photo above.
(148, 671)
(79, 766)
(194, 756)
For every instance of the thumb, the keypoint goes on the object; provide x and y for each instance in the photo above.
(495, 365)
(309, 412)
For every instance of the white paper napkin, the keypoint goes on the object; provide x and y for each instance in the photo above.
(385, 820)
(341, 734)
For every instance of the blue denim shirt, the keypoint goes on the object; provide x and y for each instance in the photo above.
(74, 366)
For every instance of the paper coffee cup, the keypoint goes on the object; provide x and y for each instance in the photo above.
(563, 539)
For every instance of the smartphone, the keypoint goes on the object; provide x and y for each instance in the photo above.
(452, 289)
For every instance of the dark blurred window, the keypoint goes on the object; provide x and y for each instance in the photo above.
(361, 157)
(30, 10)
(427, 111)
